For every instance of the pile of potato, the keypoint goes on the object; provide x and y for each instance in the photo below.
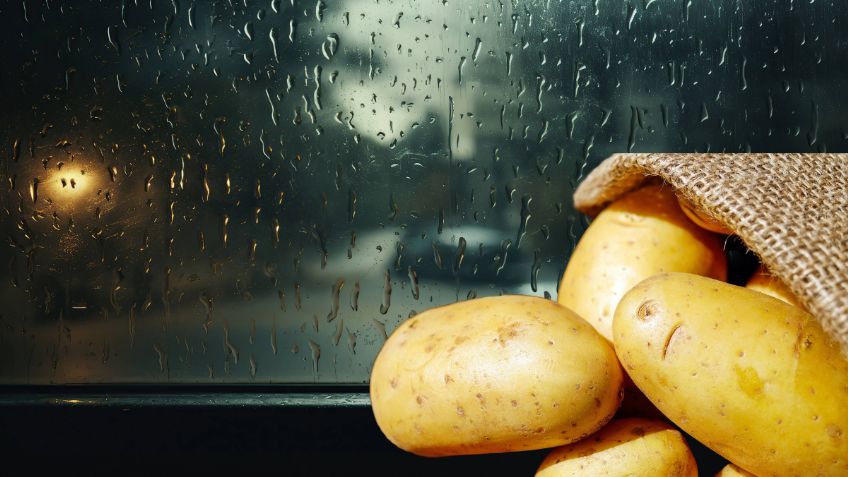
(643, 308)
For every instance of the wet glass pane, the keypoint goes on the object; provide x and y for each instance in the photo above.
(238, 191)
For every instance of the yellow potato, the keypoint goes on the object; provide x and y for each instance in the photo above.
(494, 374)
(751, 377)
(641, 234)
(764, 282)
(625, 447)
(701, 219)
(731, 470)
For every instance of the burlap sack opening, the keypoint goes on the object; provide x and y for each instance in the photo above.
(790, 209)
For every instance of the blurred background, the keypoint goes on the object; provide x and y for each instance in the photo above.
(260, 192)
(235, 192)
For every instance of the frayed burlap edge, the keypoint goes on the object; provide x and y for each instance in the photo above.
(790, 209)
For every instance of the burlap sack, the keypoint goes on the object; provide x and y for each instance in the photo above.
(790, 209)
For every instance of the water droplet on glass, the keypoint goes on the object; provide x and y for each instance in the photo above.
(387, 293)
(330, 46)
(315, 351)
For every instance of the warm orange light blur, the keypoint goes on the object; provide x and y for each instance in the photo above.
(71, 182)
(70, 187)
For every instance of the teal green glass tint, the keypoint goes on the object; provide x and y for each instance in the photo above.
(254, 192)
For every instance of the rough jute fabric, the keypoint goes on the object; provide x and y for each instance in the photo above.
(790, 209)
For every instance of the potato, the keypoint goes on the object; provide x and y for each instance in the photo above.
(641, 234)
(764, 282)
(625, 447)
(701, 219)
(751, 377)
(731, 470)
(494, 374)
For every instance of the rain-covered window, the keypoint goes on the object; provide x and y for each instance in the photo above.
(238, 191)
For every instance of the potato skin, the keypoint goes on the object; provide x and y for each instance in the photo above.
(731, 470)
(751, 377)
(764, 282)
(625, 447)
(493, 374)
(639, 235)
(700, 219)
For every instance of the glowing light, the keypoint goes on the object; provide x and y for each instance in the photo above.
(70, 187)
(69, 181)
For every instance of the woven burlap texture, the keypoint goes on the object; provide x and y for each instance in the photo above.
(790, 209)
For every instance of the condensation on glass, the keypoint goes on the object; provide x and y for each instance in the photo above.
(238, 191)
